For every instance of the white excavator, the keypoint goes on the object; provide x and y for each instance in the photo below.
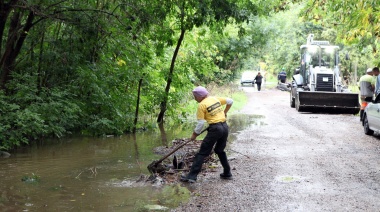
(317, 86)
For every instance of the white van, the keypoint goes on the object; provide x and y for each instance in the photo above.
(247, 77)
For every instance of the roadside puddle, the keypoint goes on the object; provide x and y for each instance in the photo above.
(239, 122)
(288, 179)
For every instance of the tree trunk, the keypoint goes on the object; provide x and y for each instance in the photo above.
(163, 104)
(14, 44)
(5, 61)
(39, 66)
(5, 9)
(164, 138)
(137, 106)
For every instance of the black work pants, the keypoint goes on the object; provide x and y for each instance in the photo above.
(217, 135)
(258, 86)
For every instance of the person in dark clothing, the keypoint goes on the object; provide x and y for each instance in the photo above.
(258, 80)
(282, 76)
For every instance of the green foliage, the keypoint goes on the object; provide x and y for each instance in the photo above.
(30, 114)
(79, 64)
(356, 22)
(8, 113)
(277, 40)
(102, 102)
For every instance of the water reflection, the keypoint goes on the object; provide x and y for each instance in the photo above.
(163, 135)
(94, 174)
(239, 122)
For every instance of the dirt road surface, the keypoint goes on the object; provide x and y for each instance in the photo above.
(297, 162)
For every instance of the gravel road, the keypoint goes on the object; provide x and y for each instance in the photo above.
(297, 162)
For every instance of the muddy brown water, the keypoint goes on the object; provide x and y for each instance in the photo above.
(95, 174)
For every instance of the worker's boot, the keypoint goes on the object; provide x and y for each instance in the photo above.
(226, 176)
(196, 167)
(226, 166)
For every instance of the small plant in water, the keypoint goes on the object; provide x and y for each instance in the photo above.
(31, 179)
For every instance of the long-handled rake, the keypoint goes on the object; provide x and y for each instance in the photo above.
(155, 166)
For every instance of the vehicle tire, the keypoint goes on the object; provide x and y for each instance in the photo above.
(367, 130)
(361, 113)
(292, 101)
(297, 104)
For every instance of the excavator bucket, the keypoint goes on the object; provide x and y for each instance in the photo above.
(329, 102)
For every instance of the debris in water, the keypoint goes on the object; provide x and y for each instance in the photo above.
(170, 169)
(31, 179)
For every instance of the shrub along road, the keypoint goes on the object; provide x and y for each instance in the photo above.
(298, 162)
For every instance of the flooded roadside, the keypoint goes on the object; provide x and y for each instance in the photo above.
(95, 174)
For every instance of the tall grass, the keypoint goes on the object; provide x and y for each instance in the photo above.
(232, 91)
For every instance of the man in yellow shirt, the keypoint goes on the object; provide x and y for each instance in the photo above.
(210, 110)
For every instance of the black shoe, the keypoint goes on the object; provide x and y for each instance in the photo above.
(188, 180)
(226, 176)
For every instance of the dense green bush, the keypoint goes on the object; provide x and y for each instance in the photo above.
(24, 119)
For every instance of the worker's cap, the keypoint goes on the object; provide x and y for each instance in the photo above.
(369, 70)
(200, 92)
